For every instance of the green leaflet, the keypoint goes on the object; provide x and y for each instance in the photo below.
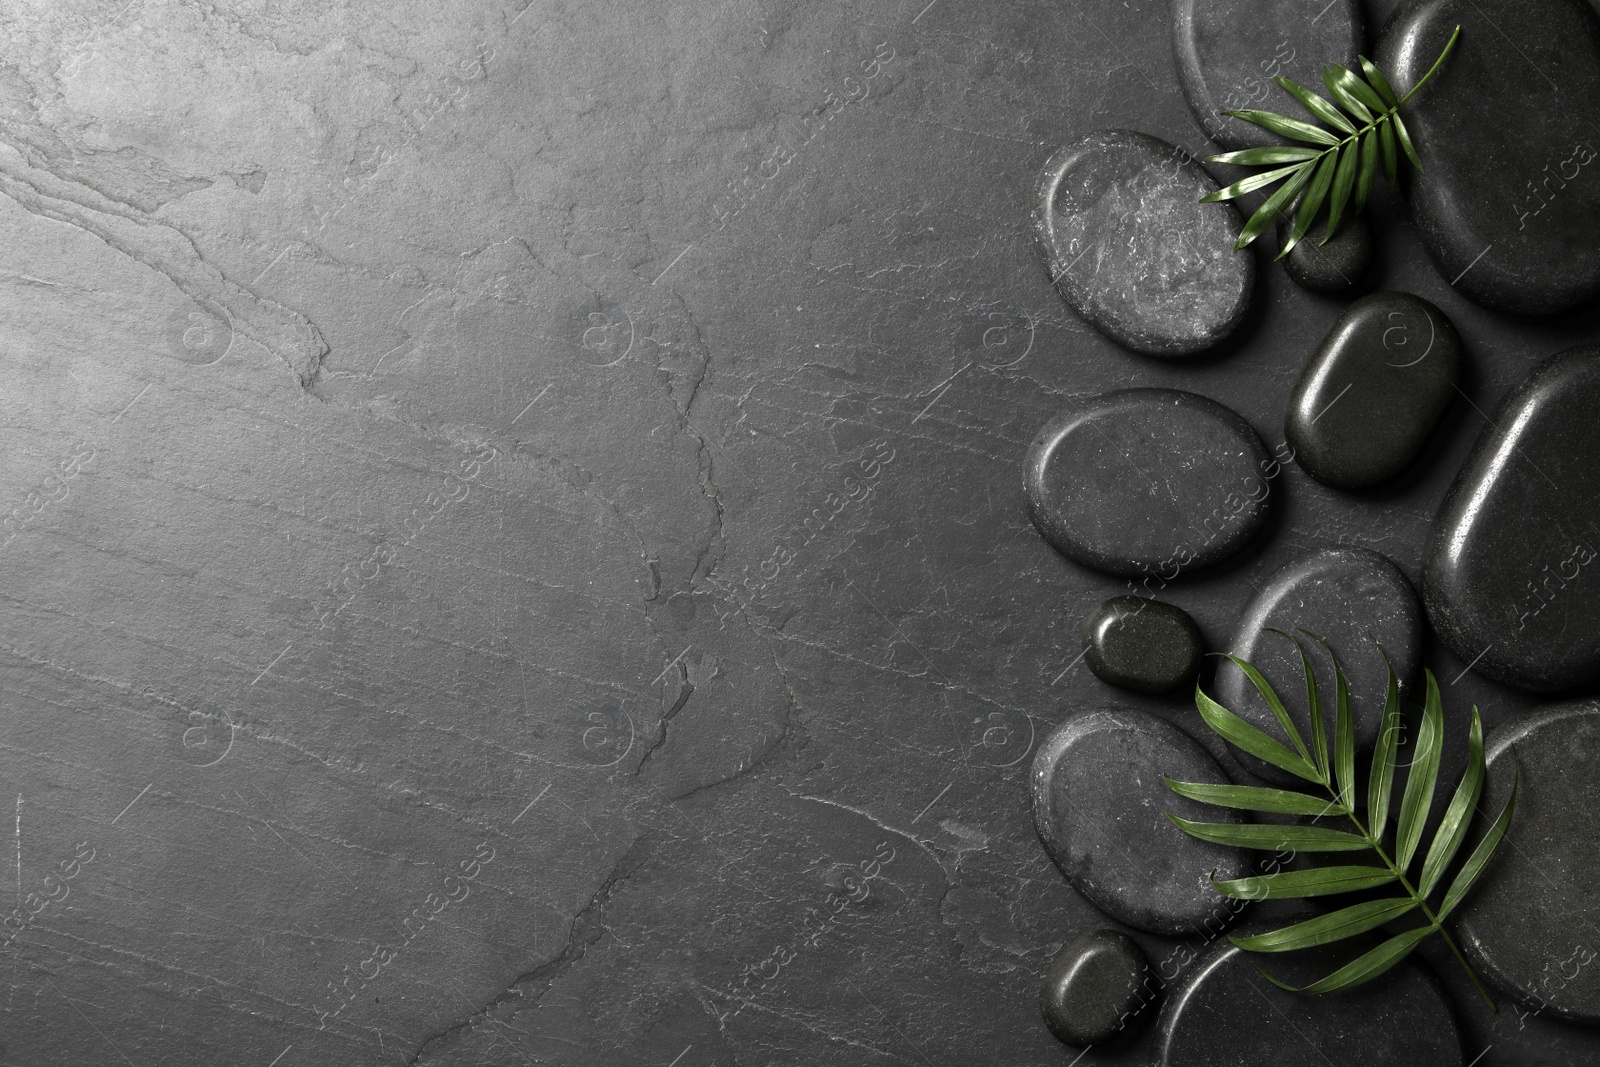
(1335, 159)
(1332, 793)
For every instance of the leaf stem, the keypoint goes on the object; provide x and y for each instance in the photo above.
(1434, 922)
(1436, 65)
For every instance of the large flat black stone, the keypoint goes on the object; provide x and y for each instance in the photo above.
(1511, 583)
(1529, 926)
(1228, 52)
(1508, 202)
(1132, 250)
(1148, 482)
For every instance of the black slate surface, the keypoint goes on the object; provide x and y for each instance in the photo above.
(741, 299)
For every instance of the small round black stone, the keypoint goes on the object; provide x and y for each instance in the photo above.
(1335, 267)
(1142, 644)
(1095, 988)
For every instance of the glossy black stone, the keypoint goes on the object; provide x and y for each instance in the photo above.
(1228, 52)
(1100, 807)
(1142, 644)
(1528, 926)
(1511, 584)
(1132, 250)
(1095, 988)
(1223, 1013)
(1148, 482)
(1335, 267)
(1358, 601)
(1373, 391)
(1509, 203)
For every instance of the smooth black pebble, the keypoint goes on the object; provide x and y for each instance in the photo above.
(1373, 392)
(1100, 807)
(1508, 204)
(1133, 251)
(1095, 988)
(1151, 482)
(1528, 926)
(1511, 582)
(1335, 267)
(1141, 644)
(1356, 600)
(1228, 52)
(1222, 1013)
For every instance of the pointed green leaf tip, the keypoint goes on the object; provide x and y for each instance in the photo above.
(1413, 871)
(1331, 166)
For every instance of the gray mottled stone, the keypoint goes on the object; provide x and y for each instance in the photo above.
(1509, 203)
(1373, 391)
(1142, 644)
(1528, 927)
(1131, 248)
(1335, 267)
(1148, 482)
(1228, 52)
(1100, 808)
(1222, 1013)
(1359, 602)
(1510, 582)
(1095, 988)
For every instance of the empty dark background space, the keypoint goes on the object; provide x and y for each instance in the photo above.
(588, 436)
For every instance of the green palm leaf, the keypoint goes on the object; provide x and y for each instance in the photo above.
(1314, 882)
(1333, 793)
(1332, 167)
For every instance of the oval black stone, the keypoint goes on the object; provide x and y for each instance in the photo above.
(1373, 391)
(1228, 52)
(1143, 481)
(1142, 644)
(1335, 267)
(1096, 987)
(1510, 582)
(1355, 599)
(1100, 807)
(1509, 203)
(1528, 927)
(1132, 250)
(1222, 1013)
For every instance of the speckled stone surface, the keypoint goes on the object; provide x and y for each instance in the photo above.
(1142, 644)
(1101, 810)
(1148, 482)
(1223, 1013)
(1131, 249)
(1096, 988)
(1511, 582)
(1529, 926)
(1228, 52)
(1508, 204)
(1335, 267)
(1373, 391)
(1359, 602)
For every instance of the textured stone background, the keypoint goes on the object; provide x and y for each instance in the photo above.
(285, 657)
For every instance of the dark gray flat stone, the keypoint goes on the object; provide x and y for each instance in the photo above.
(1096, 987)
(1131, 248)
(1142, 644)
(1509, 203)
(1358, 601)
(1373, 391)
(1528, 927)
(1335, 267)
(1228, 52)
(1223, 1013)
(1148, 482)
(1100, 808)
(1510, 582)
